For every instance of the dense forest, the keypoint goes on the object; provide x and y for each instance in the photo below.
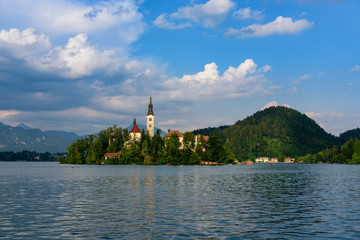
(29, 156)
(274, 132)
(148, 150)
(348, 153)
(354, 133)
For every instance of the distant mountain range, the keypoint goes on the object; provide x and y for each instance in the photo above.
(22, 137)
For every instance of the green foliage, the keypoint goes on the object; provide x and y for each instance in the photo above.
(274, 132)
(354, 133)
(348, 153)
(148, 150)
(216, 149)
(29, 156)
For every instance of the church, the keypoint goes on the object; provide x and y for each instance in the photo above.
(135, 132)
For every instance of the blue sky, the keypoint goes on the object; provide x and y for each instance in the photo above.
(84, 65)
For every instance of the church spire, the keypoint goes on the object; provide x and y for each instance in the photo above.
(150, 120)
(150, 111)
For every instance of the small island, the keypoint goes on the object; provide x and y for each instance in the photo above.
(116, 145)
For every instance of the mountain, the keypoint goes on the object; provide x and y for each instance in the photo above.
(19, 138)
(22, 125)
(62, 134)
(274, 132)
(354, 133)
(54, 133)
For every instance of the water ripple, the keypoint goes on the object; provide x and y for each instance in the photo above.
(284, 201)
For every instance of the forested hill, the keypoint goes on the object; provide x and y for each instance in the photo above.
(274, 132)
(354, 133)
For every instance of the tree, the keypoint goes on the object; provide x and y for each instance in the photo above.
(173, 154)
(189, 140)
(356, 155)
(157, 145)
(230, 157)
(96, 152)
(216, 149)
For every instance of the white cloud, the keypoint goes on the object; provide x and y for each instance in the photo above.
(243, 81)
(356, 68)
(301, 78)
(4, 114)
(273, 104)
(281, 25)
(76, 59)
(120, 103)
(266, 68)
(247, 14)
(162, 22)
(24, 44)
(305, 76)
(72, 17)
(80, 119)
(335, 122)
(313, 114)
(209, 14)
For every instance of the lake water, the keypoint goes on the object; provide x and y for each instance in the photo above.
(282, 201)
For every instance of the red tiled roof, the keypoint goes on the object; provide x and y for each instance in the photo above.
(174, 131)
(112, 154)
(206, 138)
(135, 129)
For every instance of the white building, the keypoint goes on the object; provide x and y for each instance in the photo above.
(150, 120)
(262, 160)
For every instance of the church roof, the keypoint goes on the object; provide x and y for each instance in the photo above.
(174, 131)
(135, 128)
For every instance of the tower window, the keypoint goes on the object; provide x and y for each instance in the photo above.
(150, 119)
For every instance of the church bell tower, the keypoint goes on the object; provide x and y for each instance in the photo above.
(150, 120)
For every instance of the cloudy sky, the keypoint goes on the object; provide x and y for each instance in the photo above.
(84, 65)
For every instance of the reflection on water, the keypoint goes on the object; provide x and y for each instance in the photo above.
(47, 200)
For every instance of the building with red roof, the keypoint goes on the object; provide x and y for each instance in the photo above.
(135, 132)
(178, 133)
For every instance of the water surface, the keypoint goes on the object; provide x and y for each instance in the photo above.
(282, 201)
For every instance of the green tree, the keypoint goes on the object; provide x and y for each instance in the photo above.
(189, 140)
(216, 149)
(173, 154)
(230, 157)
(356, 155)
(95, 153)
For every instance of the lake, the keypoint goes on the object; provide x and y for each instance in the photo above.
(280, 201)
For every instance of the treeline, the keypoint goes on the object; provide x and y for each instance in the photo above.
(353, 133)
(29, 156)
(147, 150)
(348, 153)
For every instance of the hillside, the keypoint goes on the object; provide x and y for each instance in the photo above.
(274, 132)
(23, 138)
(354, 133)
